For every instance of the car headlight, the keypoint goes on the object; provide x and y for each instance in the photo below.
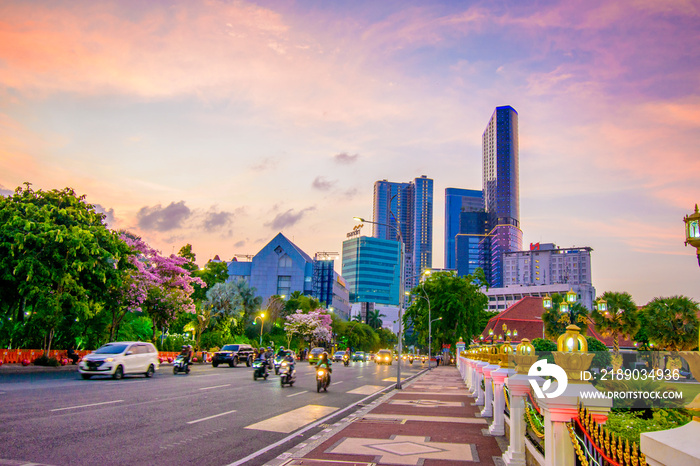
(284, 364)
(109, 359)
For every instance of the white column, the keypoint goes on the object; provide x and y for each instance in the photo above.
(519, 387)
(479, 378)
(499, 403)
(488, 390)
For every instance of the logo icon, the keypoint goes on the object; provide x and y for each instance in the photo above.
(544, 369)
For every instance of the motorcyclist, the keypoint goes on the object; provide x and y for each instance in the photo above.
(186, 354)
(280, 352)
(347, 357)
(323, 361)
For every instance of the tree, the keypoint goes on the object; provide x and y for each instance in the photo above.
(374, 319)
(297, 300)
(458, 300)
(225, 305)
(312, 327)
(672, 323)
(56, 258)
(250, 302)
(555, 322)
(620, 320)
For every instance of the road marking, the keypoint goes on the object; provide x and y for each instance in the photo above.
(367, 389)
(336, 383)
(86, 406)
(298, 393)
(359, 377)
(217, 386)
(392, 379)
(211, 417)
(292, 420)
(296, 434)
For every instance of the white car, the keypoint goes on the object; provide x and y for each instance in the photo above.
(120, 358)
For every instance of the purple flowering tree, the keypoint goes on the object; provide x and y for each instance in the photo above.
(312, 327)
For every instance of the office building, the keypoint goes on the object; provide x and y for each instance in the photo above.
(281, 268)
(465, 230)
(543, 270)
(408, 208)
(371, 268)
(501, 190)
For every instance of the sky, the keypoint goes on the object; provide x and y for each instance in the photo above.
(222, 123)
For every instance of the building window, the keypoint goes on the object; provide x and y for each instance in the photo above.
(284, 285)
(285, 261)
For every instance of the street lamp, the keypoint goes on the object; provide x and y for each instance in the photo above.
(401, 265)
(692, 230)
(262, 322)
(430, 335)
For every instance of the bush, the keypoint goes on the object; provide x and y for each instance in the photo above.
(45, 360)
(544, 349)
(602, 357)
(631, 424)
(174, 342)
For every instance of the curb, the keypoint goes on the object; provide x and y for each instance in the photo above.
(32, 369)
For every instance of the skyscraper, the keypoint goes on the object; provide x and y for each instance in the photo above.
(501, 189)
(457, 203)
(407, 207)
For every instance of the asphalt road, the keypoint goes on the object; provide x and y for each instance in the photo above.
(209, 417)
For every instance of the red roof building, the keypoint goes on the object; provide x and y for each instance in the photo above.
(525, 316)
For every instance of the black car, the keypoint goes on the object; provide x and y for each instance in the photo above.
(233, 354)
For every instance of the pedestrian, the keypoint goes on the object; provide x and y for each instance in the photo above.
(71, 354)
(437, 360)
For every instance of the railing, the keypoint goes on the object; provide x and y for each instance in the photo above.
(595, 445)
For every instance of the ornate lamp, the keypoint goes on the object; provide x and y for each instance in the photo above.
(572, 355)
(601, 305)
(547, 302)
(506, 354)
(571, 296)
(564, 307)
(524, 356)
(692, 230)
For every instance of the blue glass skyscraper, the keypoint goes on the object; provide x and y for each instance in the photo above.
(501, 189)
(407, 207)
(458, 202)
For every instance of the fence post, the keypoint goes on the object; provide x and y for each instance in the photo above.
(519, 387)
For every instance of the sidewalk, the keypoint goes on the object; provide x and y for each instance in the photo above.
(430, 422)
(32, 369)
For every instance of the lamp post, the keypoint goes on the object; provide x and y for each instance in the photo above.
(430, 337)
(262, 322)
(692, 230)
(401, 291)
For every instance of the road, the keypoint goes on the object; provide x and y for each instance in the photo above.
(213, 416)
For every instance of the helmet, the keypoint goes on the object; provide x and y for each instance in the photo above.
(281, 348)
(185, 347)
(269, 348)
(262, 350)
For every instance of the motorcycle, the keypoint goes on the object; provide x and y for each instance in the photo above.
(410, 359)
(180, 365)
(322, 379)
(287, 374)
(260, 369)
(346, 360)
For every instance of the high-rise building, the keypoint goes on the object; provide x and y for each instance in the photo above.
(501, 190)
(371, 268)
(408, 208)
(461, 209)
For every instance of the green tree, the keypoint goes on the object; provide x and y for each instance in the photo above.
(672, 323)
(297, 300)
(56, 257)
(211, 274)
(459, 301)
(375, 319)
(620, 320)
(555, 322)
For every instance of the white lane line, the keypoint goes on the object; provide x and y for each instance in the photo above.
(211, 417)
(360, 376)
(336, 383)
(217, 386)
(298, 393)
(86, 406)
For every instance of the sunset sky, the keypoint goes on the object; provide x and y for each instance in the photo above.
(222, 123)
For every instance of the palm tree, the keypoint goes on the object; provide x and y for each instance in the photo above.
(620, 320)
(672, 323)
(555, 322)
(374, 318)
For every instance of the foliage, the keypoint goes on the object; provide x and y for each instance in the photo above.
(555, 322)
(312, 327)
(374, 318)
(544, 348)
(298, 301)
(620, 320)
(672, 323)
(211, 274)
(602, 356)
(45, 360)
(56, 257)
(357, 335)
(630, 424)
(135, 327)
(459, 301)
(174, 342)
